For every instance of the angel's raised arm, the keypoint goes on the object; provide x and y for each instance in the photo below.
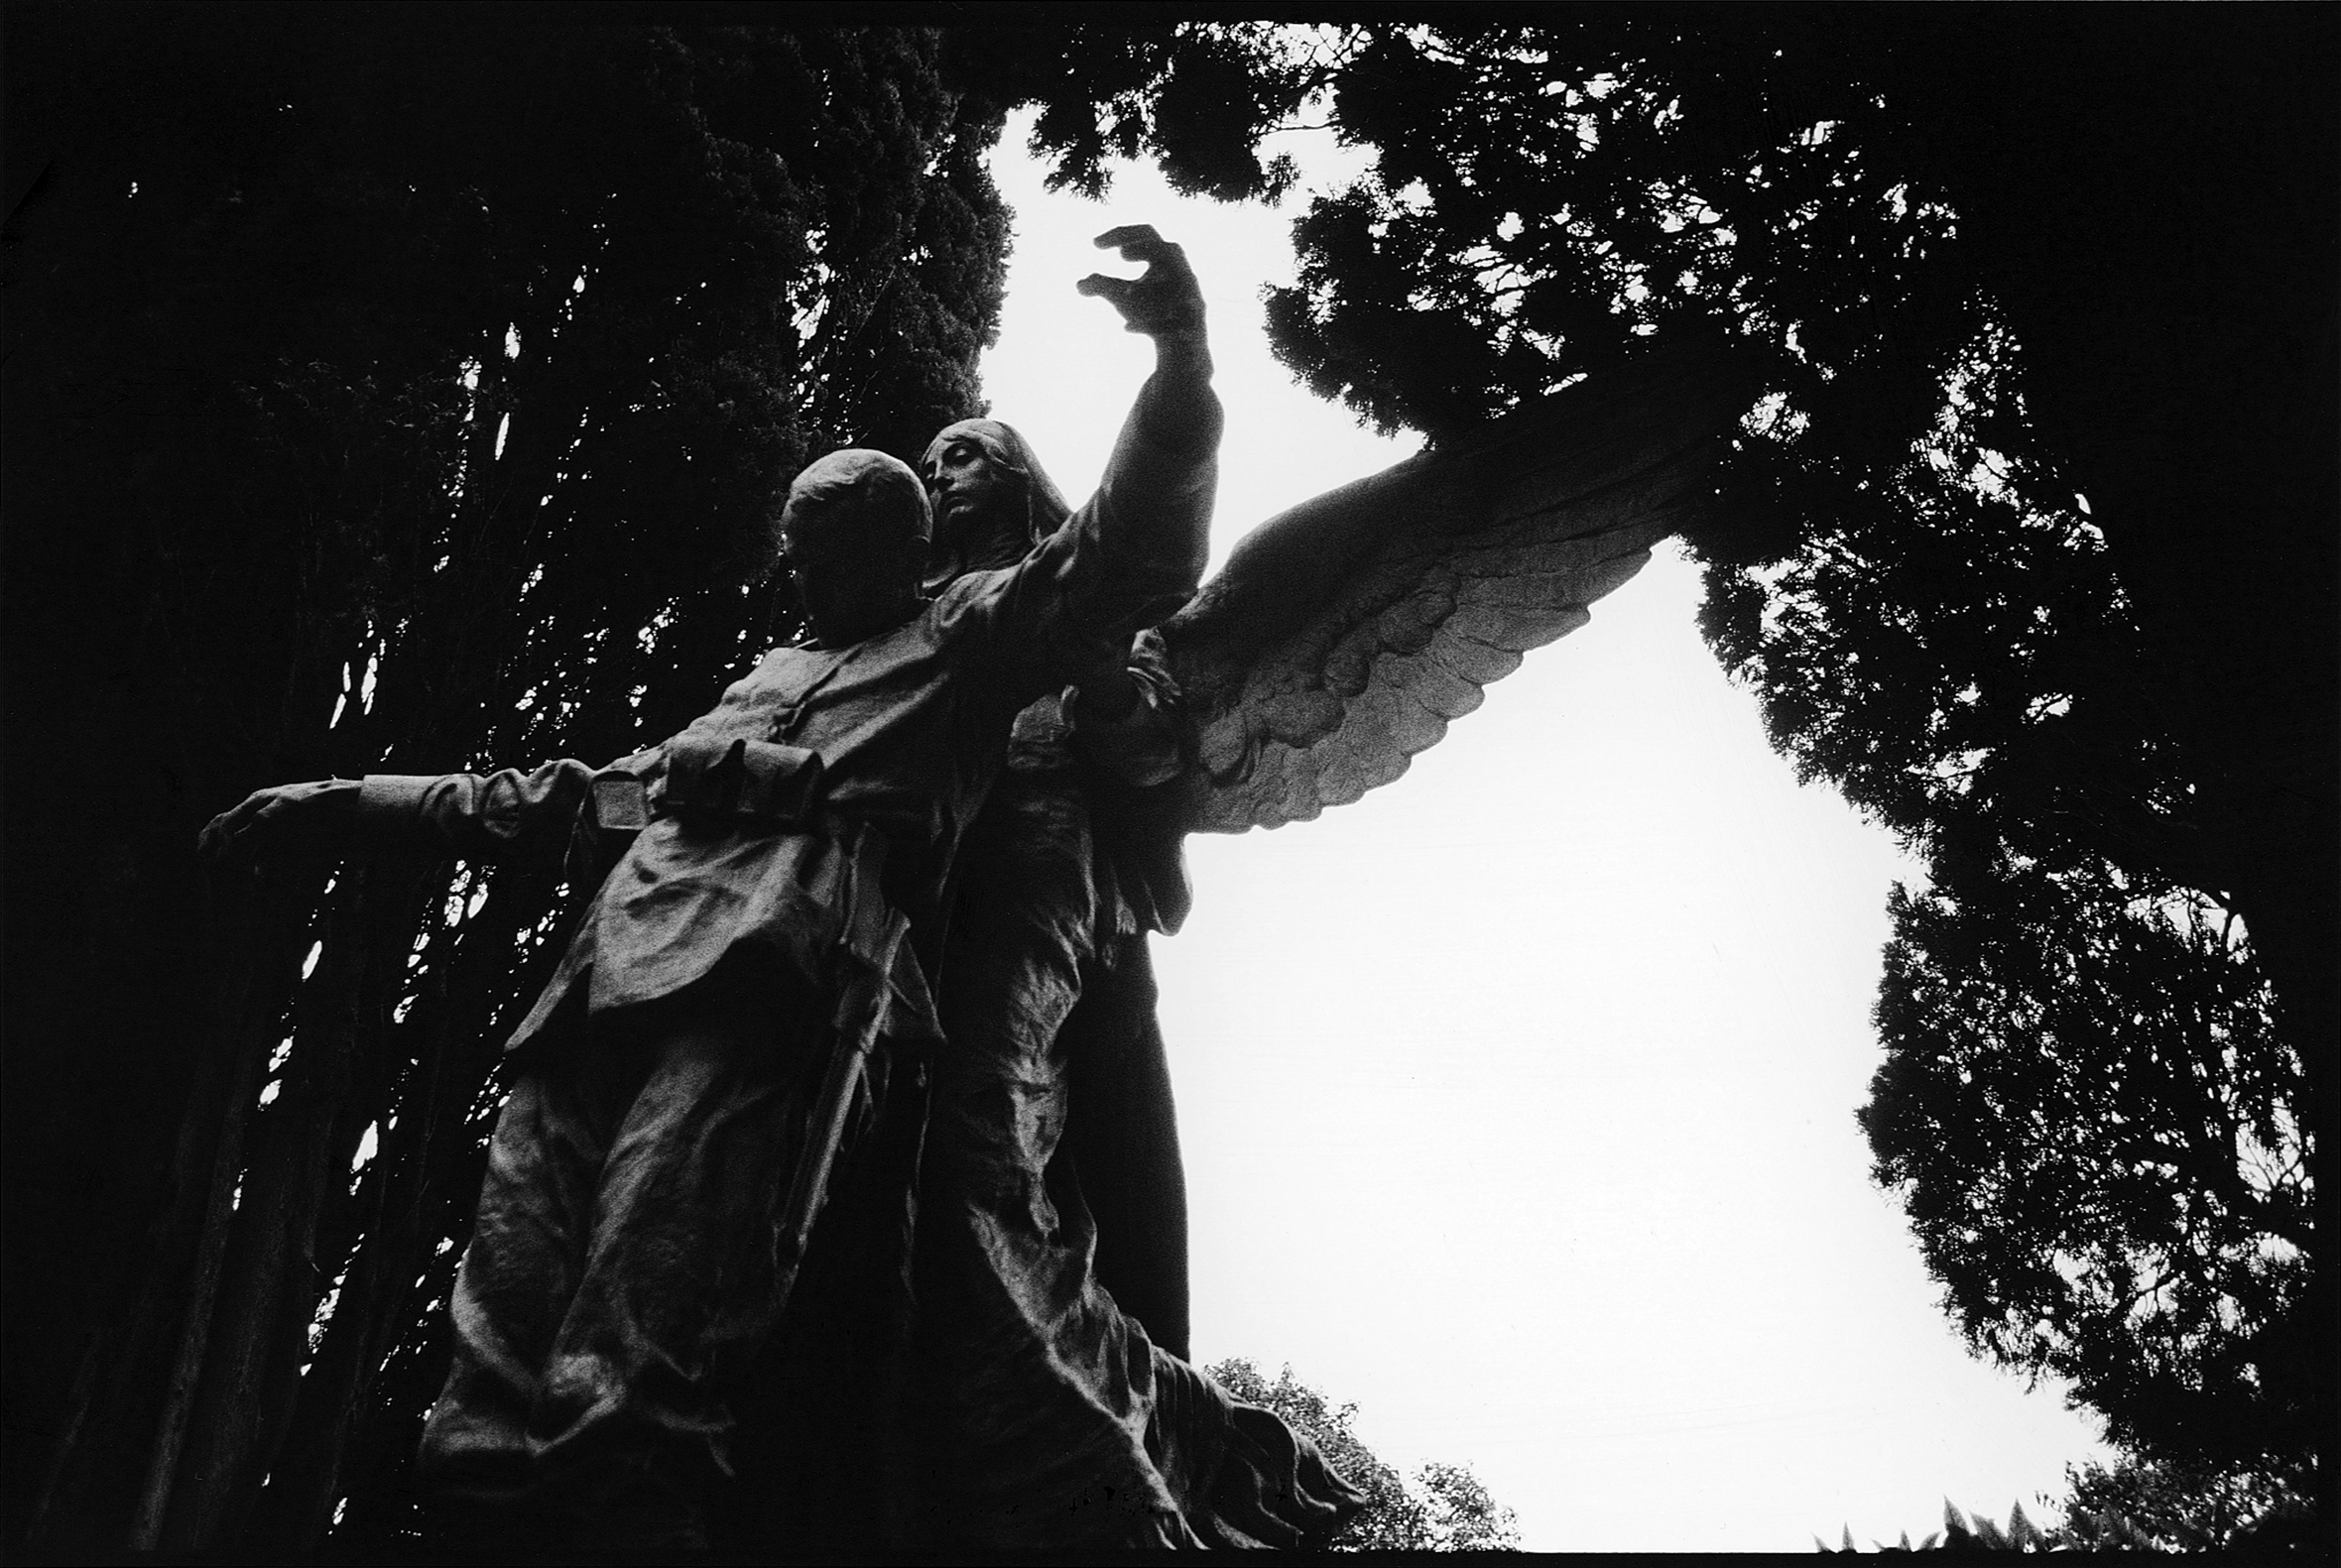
(1177, 408)
(1135, 552)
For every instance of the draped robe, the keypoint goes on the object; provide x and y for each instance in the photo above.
(1061, 1409)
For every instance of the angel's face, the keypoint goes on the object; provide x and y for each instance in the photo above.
(964, 485)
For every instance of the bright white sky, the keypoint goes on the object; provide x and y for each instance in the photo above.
(1518, 1098)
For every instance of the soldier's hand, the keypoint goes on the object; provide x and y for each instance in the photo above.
(288, 820)
(1164, 301)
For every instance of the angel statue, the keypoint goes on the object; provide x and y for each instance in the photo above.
(837, 1196)
(1060, 1410)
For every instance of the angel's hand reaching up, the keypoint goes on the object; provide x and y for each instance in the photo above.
(1162, 302)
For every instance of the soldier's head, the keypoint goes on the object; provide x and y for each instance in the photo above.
(992, 500)
(853, 540)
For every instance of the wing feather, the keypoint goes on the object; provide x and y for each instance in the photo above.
(1344, 635)
(1477, 661)
(1428, 681)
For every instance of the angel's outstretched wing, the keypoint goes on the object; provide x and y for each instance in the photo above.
(1343, 634)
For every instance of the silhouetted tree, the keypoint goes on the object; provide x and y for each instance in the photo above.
(388, 388)
(1444, 1509)
(2096, 1128)
(2030, 551)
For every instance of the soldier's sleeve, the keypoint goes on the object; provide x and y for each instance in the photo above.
(505, 817)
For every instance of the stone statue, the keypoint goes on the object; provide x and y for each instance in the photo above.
(1337, 642)
(769, 916)
(1062, 1414)
(935, 836)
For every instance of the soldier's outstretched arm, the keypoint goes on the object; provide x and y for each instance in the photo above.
(284, 822)
(500, 816)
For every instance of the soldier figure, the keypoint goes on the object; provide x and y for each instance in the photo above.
(779, 904)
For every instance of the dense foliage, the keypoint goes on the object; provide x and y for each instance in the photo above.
(1960, 1533)
(2029, 547)
(387, 390)
(2139, 1506)
(1444, 1508)
(2097, 1131)
(2173, 1505)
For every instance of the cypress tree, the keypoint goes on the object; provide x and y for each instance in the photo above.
(390, 389)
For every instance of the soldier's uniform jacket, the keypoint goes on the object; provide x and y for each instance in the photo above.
(766, 820)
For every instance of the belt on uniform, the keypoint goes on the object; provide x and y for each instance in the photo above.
(716, 781)
(707, 782)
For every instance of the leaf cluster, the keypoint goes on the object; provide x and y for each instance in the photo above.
(2140, 1505)
(2101, 1144)
(1444, 1508)
(1962, 1534)
(2165, 1505)
(1200, 97)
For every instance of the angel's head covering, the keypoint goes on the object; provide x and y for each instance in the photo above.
(859, 489)
(1044, 507)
